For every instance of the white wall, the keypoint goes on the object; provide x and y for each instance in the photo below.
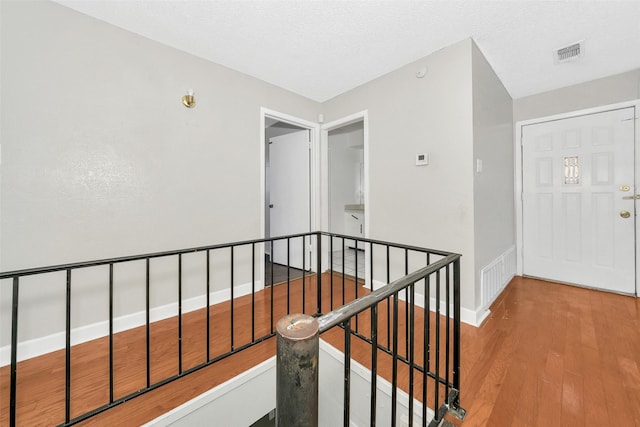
(430, 205)
(100, 158)
(493, 197)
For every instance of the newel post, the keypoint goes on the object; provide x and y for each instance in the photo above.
(297, 344)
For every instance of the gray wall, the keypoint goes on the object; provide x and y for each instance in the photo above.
(95, 140)
(101, 159)
(605, 91)
(430, 205)
(493, 187)
(458, 113)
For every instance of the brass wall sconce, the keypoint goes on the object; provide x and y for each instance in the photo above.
(188, 100)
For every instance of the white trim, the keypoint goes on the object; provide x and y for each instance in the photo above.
(470, 317)
(518, 168)
(53, 342)
(314, 171)
(362, 116)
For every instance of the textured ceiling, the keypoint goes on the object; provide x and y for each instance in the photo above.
(320, 49)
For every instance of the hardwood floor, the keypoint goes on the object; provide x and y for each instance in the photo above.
(548, 355)
(41, 380)
(553, 355)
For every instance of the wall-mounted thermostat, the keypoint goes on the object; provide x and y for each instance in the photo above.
(422, 159)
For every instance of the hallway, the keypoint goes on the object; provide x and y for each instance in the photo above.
(548, 355)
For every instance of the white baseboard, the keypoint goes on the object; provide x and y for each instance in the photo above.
(39, 346)
(480, 314)
(470, 317)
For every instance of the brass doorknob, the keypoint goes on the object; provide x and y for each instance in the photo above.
(625, 214)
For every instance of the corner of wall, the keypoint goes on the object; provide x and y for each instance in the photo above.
(493, 179)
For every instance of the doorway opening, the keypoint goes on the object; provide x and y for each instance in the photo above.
(345, 145)
(287, 145)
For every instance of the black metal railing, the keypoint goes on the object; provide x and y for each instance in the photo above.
(231, 273)
(432, 350)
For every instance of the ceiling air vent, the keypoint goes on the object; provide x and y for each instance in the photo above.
(569, 53)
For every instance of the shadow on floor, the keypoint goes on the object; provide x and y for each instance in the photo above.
(280, 272)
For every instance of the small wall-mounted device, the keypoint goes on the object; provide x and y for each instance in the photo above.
(422, 159)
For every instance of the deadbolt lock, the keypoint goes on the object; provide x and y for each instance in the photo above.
(625, 214)
(625, 188)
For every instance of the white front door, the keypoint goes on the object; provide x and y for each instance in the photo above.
(289, 195)
(578, 206)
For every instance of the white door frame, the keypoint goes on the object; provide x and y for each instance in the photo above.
(518, 129)
(314, 179)
(361, 116)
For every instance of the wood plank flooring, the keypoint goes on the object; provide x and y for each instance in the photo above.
(548, 355)
(553, 355)
(41, 380)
